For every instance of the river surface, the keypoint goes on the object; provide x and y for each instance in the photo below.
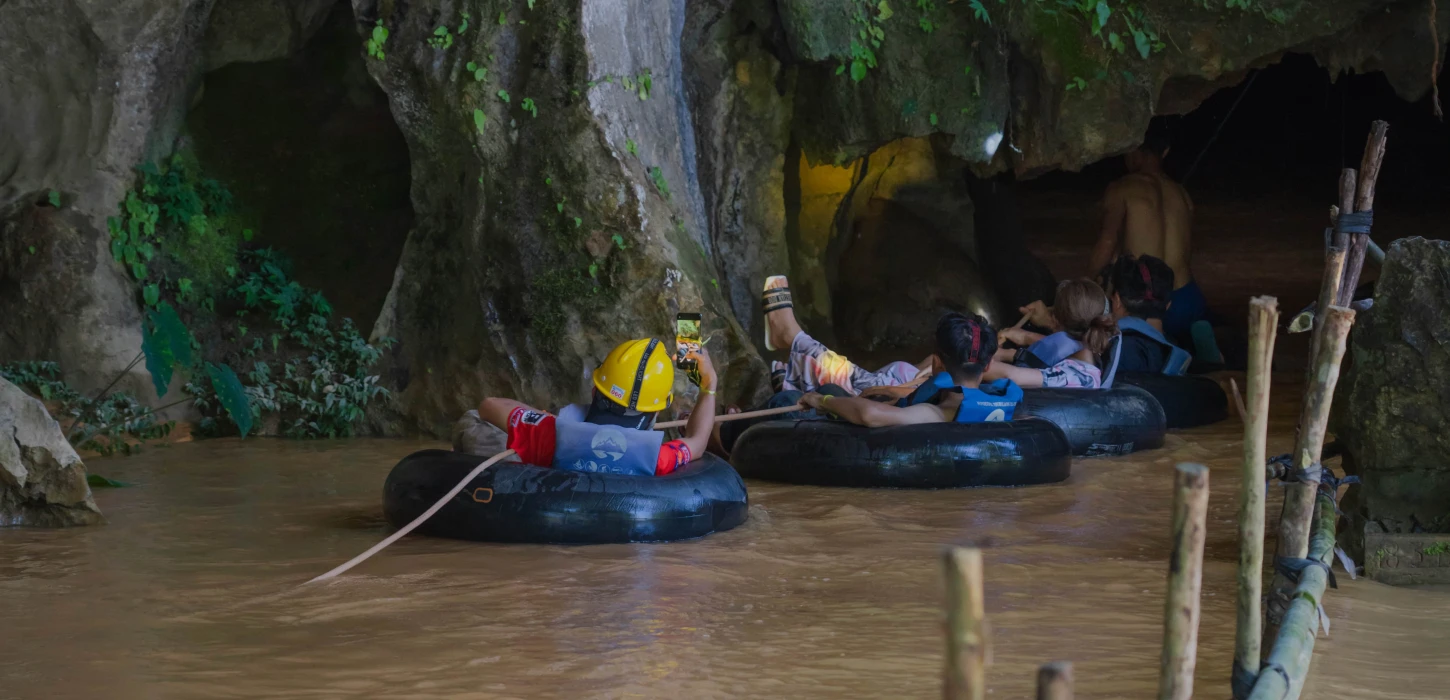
(191, 591)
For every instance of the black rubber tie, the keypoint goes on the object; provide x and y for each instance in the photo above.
(1358, 222)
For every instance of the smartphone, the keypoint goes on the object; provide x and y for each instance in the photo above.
(687, 338)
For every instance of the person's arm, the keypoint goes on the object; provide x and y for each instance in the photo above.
(871, 413)
(696, 435)
(1115, 210)
(1022, 338)
(1025, 377)
(496, 411)
(1040, 315)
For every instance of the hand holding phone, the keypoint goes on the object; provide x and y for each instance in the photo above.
(687, 340)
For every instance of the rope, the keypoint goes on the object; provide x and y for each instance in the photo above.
(1279, 669)
(416, 521)
(1248, 84)
(1242, 681)
(1293, 569)
(1357, 222)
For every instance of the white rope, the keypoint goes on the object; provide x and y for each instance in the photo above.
(416, 521)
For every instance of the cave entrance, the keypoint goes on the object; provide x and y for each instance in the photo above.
(883, 245)
(1263, 186)
(310, 150)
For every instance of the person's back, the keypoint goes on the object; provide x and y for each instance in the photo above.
(1157, 220)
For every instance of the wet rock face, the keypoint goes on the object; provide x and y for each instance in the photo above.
(1027, 87)
(558, 209)
(42, 480)
(1394, 403)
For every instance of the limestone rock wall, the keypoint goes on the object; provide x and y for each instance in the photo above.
(1394, 400)
(544, 239)
(42, 479)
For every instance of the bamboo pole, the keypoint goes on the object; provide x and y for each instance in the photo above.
(1054, 681)
(1294, 645)
(1263, 326)
(966, 659)
(1185, 580)
(1369, 171)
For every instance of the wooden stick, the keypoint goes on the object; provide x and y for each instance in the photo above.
(1313, 423)
(1185, 579)
(1263, 326)
(1328, 292)
(965, 675)
(1369, 165)
(1022, 321)
(1294, 645)
(1054, 681)
(1369, 172)
(1347, 182)
(726, 418)
(416, 521)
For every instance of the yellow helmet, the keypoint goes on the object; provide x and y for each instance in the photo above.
(638, 375)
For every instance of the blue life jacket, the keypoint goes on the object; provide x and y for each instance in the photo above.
(1178, 358)
(1059, 346)
(1051, 350)
(990, 403)
(589, 447)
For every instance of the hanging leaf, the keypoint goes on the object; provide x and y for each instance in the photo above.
(932, 118)
(137, 269)
(96, 481)
(1116, 42)
(578, 222)
(1140, 42)
(232, 396)
(480, 119)
(159, 360)
(503, 95)
(151, 294)
(858, 70)
(177, 336)
(884, 11)
(53, 198)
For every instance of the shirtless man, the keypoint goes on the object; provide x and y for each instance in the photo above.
(1147, 213)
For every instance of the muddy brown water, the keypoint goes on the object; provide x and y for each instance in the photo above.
(190, 591)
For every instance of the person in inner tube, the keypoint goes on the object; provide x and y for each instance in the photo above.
(1072, 356)
(954, 392)
(631, 387)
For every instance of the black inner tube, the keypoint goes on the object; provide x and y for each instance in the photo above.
(926, 456)
(512, 502)
(1100, 422)
(1187, 401)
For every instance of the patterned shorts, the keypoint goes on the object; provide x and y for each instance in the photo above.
(1073, 374)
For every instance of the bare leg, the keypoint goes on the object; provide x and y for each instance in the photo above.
(781, 326)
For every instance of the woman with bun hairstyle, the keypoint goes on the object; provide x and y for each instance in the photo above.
(1075, 355)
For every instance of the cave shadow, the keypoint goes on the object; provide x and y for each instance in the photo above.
(310, 149)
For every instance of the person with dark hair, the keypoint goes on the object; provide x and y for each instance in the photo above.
(1146, 213)
(965, 346)
(954, 391)
(1077, 355)
(1139, 289)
